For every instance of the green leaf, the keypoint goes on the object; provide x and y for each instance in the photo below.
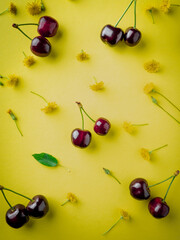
(46, 159)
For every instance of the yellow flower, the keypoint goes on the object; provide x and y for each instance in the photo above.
(28, 61)
(82, 56)
(12, 8)
(97, 86)
(128, 127)
(71, 197)
(124, 214)
(165, 6)
(34, 8)
(145, 154)
(13, 80)
(152, 66)
(149, 88)
(50, 107)
(150, 9)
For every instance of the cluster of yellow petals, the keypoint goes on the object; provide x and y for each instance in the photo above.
(82, 56)
(50, 107)
(97, 86)
(128, 127)
(28, 61)
(124, 214)
(12, 80)
(12, 8)
(72, 198)
(34, 8)
(152, 66)
(165, 6)
(145, 154)
(149, 88)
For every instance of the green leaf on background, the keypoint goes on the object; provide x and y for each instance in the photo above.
(46, 159)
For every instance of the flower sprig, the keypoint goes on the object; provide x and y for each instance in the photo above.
(14, 118)
(123, 216)
(130, 128)
(70, 198)
(12, 9)
(82, 56)
(28, 60)
(146, 154)
(97, 85)
(152, 66)
(151, 10)
(51, 106)
(35, 7)
(108, 172)
(166, 6)
(12, 80)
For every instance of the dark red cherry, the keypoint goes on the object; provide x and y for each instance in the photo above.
(39, 207)
(40, 46)
(132, 36)
(158, 208)
(81, 138)
(111, 35)
(102, 126)
(48, 26)
(139, 189)
(17, 216)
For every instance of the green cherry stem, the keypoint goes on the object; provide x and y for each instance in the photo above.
(39, 96)
(64, 202)
(80, 108)
(175, 175)
(6, 199)
(124, 13)
(16, 26)
(7, 189)
(161, 181)
(113, 226)
(158, 148)
(134, 13)
(26, 24)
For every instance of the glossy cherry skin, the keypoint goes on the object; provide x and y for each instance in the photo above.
(39, 207)
(17, 216)
(158, 208)
(139, 189)
(111, 35)
(40, 46)
(80, 138)
(132, 36)
(102, 126)
(48, 26)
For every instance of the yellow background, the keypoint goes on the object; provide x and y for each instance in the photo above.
(61, 78)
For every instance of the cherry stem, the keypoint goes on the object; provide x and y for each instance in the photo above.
(175, 175)
(4, 11)
(134, 13)
(39, 96)
(158, 148)
(167, 99)
(7, 189)
(6, 199)
(144, 124)
(16, 26)
(150, 11)
(161, 182)
(124, 13)
(64, 202)
(113, 225)
(81, 107)
(24, 24)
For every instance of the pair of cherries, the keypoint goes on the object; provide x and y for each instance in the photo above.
(18, 215)
(47, 27)
(82, 138)
(140, 190)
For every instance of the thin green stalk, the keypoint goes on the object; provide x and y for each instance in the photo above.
(42, 6)
(150, 11)
(158, 148)
(115, 179)
(18, 128)
(7, 189)
(134, 13)
(39, 96)
(88, 115)
(160, 182)
(24, 24)
(16, 26)
(64, 203)
(124, 13)
(175, 5)
(168, 188)
(144, 124)
(4, 11)
(82, 118)
(24, 54)
(113, 225)
(168, 114)
(6, 199)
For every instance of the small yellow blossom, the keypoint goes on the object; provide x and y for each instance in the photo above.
(34, 8)
(12, 8)
(150, 9)
(145, 154)
(152, 66)
(128, 127)
(124, 214)
(50, 107)
(28, 61)
(149, 88)
(71, 197)
(165, 6)
(12, 80)
(82, 56)
(97, 86)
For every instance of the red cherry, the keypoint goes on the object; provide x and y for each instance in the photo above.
(102, 126)
(81, 138)
(158, 208)
(48, 26)
(40, 46)
(112, 35)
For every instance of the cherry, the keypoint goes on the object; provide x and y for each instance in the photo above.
(102, 126)
(81, 138)
(38, 207)
(158, 208)
(111, 35)
(132, 36)
(17, 216)
(139, 189)
(47, 26)
(40, 46)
